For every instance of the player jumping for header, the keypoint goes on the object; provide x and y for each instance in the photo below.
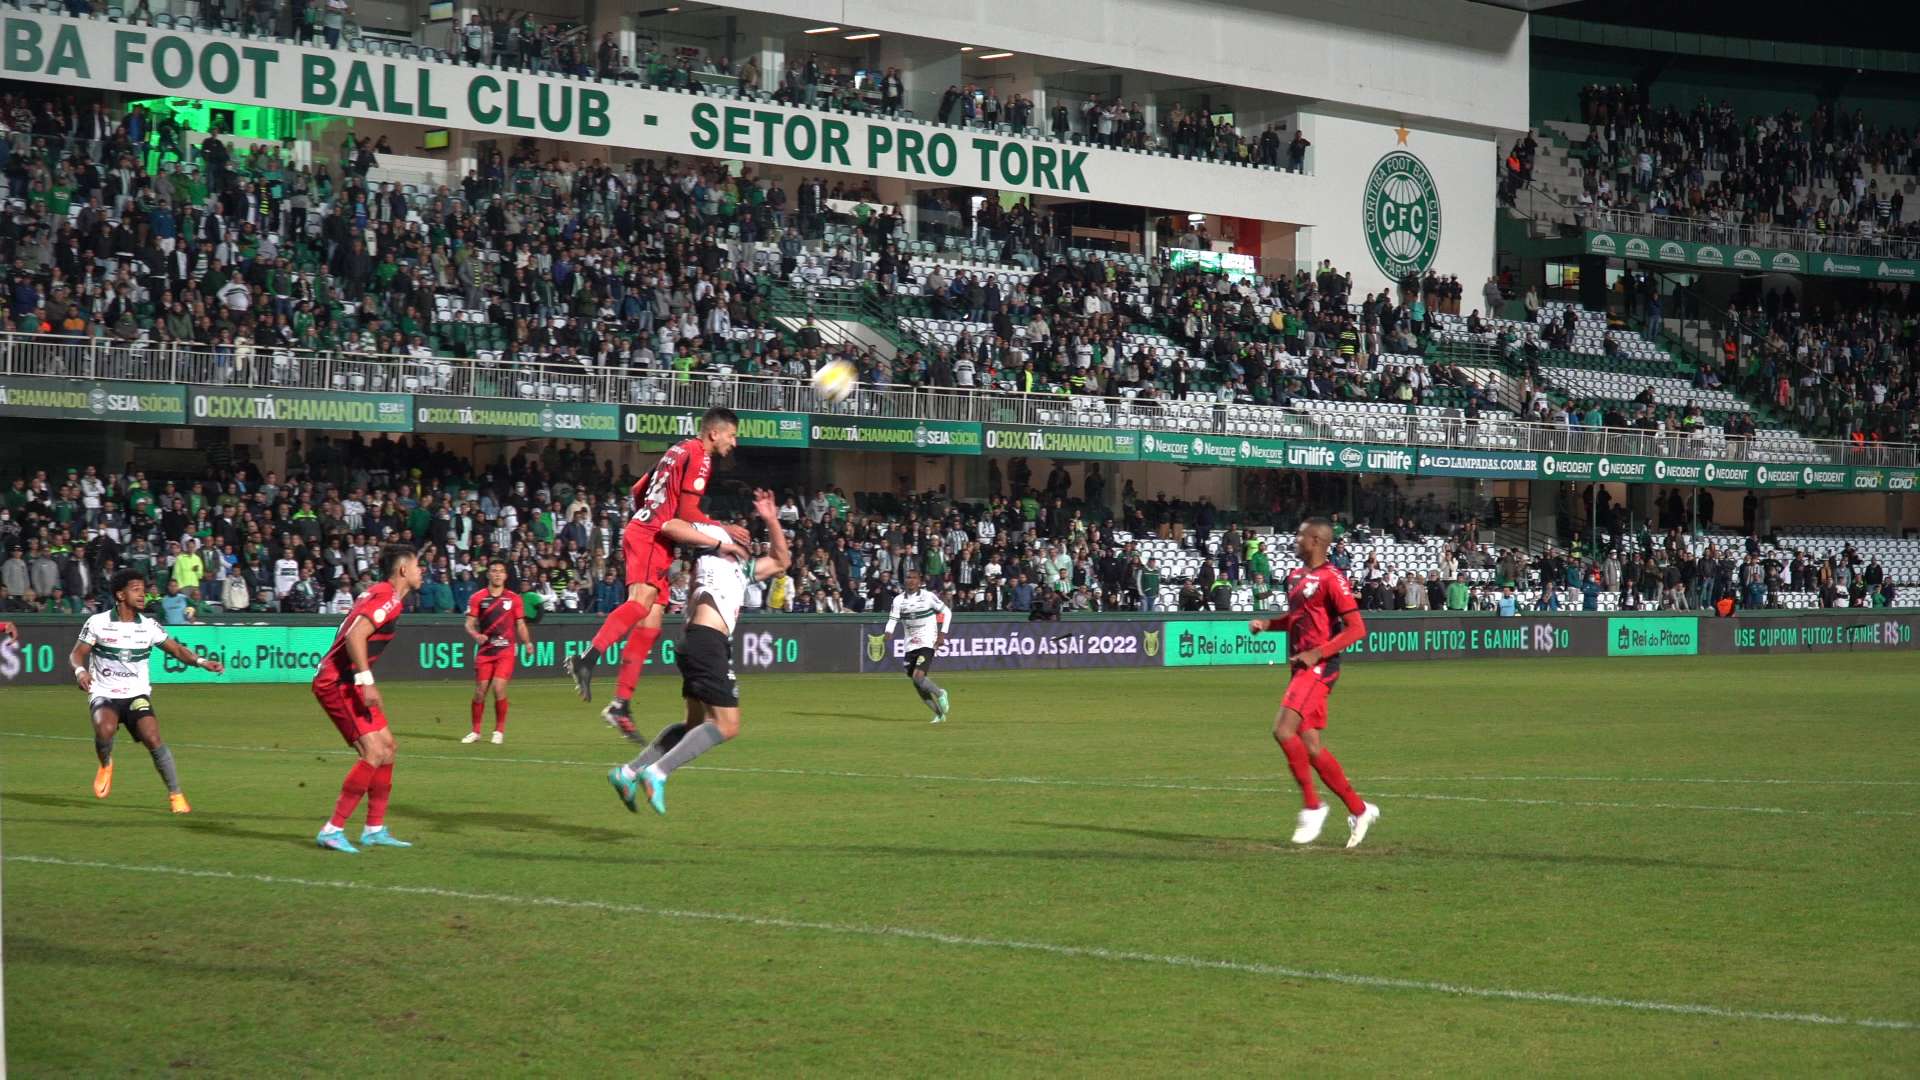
(671, 490)
(1322, 618)
(110, 663)
(721, 574)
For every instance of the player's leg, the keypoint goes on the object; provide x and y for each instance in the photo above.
(633, 659)
(364, 729)
(477, 708)
(502, 675)
(626, 778)
(106, 724)
(1286, 732)
(706, 661)
(930, 693)
(377, 748)
(1360, 814)
(146, 727)
(640, 550)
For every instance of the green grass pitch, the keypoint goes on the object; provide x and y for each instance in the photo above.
(1605, 867)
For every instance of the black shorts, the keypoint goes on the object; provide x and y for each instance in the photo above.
(918, 661)
(705, 659)
(129, 710)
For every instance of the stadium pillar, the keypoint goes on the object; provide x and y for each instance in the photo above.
(1593, 282)
(1543, 509)
(772, 54)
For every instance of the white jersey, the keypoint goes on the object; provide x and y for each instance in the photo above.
(922, 615)
(118, 660)
(719, 580)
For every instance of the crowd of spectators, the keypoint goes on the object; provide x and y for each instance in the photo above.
(1844, 372)
(1829, 173)
(656, 265)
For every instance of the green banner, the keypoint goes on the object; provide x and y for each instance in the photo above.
(1802, 477)
(1874, 479)
(1740, 257)
(1193, 643)
(1616, 469)
(1653, 637)
(342, 411)
(252, 654)
(902, 436)
(516, 419)
(69, 399)
(1189, 449)
(1094, 444)
(670, 422)
(1491, 464)
(1348, 457)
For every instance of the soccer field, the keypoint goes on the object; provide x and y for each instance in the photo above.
(1648, 866)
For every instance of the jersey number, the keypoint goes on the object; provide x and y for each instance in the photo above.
(656, 492)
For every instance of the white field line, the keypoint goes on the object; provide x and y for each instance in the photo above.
(1783, 782)
(483, 757)
(935, 937)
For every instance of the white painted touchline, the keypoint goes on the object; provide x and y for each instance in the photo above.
(483, 757)
(1081, 952)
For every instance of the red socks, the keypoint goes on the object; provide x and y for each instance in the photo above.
(1296, 750)
(359, 779)
(639, 644)
(479, 710)
(499, 715)
(378, 792)
(618, 622)
(1329, 769)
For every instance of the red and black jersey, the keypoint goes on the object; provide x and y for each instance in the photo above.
(673, 487)
(378, 606)
(496, 616)
(1318, 603)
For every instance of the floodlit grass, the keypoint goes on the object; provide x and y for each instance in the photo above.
(1081, 873)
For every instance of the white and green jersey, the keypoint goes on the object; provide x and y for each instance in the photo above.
(922, 614)
(118, 660)
(719, 580)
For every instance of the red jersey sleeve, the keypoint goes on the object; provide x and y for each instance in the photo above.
(473, 605)
(1339, 594)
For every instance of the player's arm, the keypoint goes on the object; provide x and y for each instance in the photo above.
(82, 673)
(893, 616)
(356, 643)
(520, 624)
(173, 648)
(779, 556)
(685, 535)
(942, 616)
(473, 620)
(1353, 628)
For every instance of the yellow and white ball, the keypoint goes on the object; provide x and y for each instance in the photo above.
(835, 380)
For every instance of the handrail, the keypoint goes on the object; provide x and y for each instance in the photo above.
(273, 368)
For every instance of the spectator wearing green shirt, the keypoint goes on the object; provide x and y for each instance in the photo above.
(1147, 582)
(1457, 596)
(188, 568)
(1258, 565)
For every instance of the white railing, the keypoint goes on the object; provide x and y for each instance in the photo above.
(258, 367)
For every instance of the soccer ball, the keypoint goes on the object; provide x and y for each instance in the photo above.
(834, 381)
